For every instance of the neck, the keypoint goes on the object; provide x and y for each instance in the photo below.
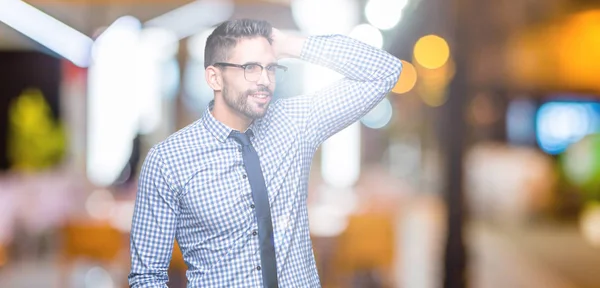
(226, 115)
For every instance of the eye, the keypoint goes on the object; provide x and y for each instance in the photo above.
(272, 68)
(253, 68)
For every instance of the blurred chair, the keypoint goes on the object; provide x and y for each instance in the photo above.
(364, 254)
(94, 241)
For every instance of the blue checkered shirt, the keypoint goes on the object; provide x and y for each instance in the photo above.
(193, 186)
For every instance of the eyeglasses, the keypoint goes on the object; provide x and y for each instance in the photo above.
(253, 71)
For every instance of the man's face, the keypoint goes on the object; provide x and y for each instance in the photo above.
(244, 93)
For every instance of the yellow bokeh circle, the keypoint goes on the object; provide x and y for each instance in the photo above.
(407, 79)
(431, 51)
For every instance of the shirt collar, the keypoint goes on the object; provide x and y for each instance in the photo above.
(221, 131)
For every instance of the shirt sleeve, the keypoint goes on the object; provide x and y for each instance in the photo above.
(154, 225)
(369, 74)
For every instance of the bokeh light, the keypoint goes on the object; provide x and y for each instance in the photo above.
(560, 124)
(100, 204)
(581, 165)
(384, 14)
(431, 51)
(565, 65)
(407, 80)
(577, 37)
(98, 277)
(325, 17)
(380, 116)
(590, 224)
(433, 83)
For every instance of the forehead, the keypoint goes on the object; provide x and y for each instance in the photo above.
(256, 49)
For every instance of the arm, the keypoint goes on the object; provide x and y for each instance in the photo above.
(370, 73)
(153, 226)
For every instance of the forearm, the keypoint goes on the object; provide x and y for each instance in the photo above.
(150, 254)
(370, 73)
(148, 270)
(354, 59)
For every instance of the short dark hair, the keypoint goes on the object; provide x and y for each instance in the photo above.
(225, 36)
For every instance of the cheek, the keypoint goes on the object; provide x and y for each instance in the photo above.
(234, 89)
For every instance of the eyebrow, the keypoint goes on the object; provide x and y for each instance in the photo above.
(258, 63)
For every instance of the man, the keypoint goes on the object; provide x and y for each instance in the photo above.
(232, 186)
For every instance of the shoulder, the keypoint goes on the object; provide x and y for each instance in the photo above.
(179, 152)
(186, 138)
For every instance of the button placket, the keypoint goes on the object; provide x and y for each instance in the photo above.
(245, 184)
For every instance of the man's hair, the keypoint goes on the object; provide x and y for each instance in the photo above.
(226, 36)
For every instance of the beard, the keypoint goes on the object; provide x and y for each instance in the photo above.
(239, 102)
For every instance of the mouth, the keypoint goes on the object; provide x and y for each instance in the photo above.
(261, 97)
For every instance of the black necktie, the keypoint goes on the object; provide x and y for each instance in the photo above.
(263, 211)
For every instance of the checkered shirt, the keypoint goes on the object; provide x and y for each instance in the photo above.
(193, 186)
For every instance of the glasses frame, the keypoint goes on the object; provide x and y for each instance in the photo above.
(262, 68)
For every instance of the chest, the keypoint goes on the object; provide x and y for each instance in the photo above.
(218, 196)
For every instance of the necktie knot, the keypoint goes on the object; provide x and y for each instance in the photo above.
(242, 138)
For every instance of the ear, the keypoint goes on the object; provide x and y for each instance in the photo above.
(213, 78)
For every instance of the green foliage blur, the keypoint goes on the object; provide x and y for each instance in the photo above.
(36, 141)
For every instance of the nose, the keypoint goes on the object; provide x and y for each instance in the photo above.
(264, 78)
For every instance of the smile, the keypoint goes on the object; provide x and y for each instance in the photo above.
(260, 96)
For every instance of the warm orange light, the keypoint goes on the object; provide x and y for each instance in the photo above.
(578, 50)
(562, 55)
(431, 51)
(407, 80)
(528, 61)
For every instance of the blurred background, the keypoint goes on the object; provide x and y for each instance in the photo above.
(480, 169)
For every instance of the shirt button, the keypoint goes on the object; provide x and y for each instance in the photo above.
(258, 267)
(252, 206)
(244, 176)
(254, 233)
